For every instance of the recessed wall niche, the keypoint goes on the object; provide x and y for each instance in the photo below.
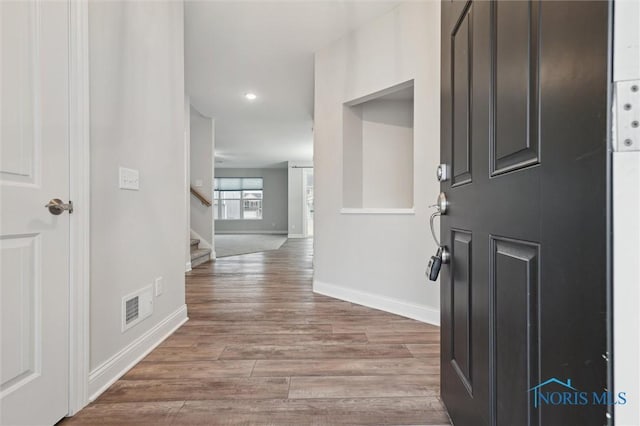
(377, 150)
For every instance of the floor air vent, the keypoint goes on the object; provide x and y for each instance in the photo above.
(136, 307)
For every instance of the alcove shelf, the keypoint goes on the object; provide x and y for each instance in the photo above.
(377, 152)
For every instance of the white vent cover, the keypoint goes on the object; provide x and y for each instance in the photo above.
(136, 307)
(132, 311)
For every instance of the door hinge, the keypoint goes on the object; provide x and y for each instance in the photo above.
(626, 116)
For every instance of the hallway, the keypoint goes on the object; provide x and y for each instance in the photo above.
(261, 347)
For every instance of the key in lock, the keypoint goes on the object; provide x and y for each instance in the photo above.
(435, 263)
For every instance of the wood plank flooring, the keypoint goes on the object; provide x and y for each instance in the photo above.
(261, 348)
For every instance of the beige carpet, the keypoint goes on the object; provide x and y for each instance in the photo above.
(235, 244)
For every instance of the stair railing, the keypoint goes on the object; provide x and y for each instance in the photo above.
(200, 197)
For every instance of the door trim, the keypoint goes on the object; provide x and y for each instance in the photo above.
(79, 189)
(625, 208)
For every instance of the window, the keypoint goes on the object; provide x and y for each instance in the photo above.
(237, 198)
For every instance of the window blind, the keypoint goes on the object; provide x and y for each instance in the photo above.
(238, 184)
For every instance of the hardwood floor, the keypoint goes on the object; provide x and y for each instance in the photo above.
(261, 348)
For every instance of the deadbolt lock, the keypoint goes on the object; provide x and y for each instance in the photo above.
(442, 204)
(442, 173)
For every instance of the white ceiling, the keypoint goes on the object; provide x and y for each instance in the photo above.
(264, 47)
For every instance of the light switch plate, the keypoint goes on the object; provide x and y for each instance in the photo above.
(158, 286)
(129, 179)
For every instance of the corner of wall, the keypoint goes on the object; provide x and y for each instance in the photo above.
(115, 367)
(399, 307)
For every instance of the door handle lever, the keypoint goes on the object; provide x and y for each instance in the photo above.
(56, 206)
(441, 208)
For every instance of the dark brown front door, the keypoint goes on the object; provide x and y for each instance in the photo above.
(524, 132)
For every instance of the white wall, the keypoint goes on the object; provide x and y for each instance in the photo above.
(352, 157)
(202, 172)
(387, 154)
(274, 204)
(137, 121)
(379, 260)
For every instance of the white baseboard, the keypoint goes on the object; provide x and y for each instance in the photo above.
(296, 236)
(387, 304)
(368, 210)
(251, 232)
(115, 367)
(187, 267)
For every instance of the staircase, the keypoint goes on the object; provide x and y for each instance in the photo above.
(199, 255)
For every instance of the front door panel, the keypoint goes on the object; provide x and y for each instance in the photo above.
(524, 130)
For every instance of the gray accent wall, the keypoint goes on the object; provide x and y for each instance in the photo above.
(274, 205)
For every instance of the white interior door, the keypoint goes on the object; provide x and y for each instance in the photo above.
(34, 244)
(307, 201)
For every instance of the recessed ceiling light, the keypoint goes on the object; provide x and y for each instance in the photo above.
(251, 96)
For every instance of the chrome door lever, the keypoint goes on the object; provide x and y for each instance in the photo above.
(56, 206)
(441, 206)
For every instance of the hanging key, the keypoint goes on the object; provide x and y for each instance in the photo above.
(435, 263)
